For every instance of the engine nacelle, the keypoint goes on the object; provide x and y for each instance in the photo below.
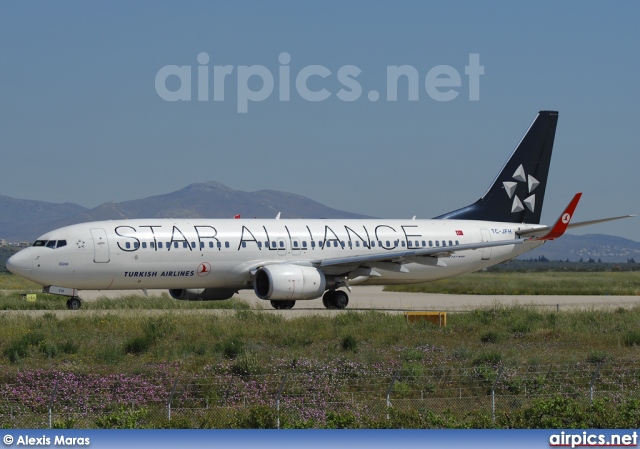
(202, 294)
(289, 282)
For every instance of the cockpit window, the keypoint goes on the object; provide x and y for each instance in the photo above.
(51, 244)
(40, 243)
(61, 243)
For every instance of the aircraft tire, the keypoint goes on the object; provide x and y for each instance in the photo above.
(74, 303)
(341, 300)
(283, 305)
(335, 299)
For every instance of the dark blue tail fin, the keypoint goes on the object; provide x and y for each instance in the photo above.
(517, 194)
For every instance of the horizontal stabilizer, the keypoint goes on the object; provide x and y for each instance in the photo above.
(562, 223)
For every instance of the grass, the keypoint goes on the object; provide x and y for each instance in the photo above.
(254, 340)
(248, 345)
(548, 283)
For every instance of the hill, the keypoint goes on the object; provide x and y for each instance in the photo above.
(606, 248)
(25, 220)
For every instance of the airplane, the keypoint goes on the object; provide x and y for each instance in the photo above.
(288, 260)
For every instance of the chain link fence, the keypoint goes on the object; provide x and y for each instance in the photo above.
(412, 396)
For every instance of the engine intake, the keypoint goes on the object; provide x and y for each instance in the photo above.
(202, 294)
(289, 282)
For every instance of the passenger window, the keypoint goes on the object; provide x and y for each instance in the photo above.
(136, 245)
(335, 244)
(281, 244)
(457, 242)
(226, 244)
(219, 245)
(373, 244)
(259, 244)
(193, 244)
(304, 243)
(437, 243)
(244, 244)
(202, 245)
(450, 243)
(61, 243)
(424, 243)
(444, 243)
(313, 244)
(295, 244)
(144, 245)
(176, 245)
(273, 244)
(126, 245)
(159, 244)
(430, 243)
(152, 245)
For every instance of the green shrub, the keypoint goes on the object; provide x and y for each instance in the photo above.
(490, 337)
(232, 347)
(138, 345)
(349, 343)
(632, 338)
(122, 418)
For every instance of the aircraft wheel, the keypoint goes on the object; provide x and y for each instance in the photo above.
(327, 299)
(74, 303)
(283, 305)
(341, 299)
(335, 299)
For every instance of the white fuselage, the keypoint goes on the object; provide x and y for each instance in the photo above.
(224, 253)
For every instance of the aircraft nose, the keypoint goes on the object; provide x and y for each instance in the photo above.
(20, 264)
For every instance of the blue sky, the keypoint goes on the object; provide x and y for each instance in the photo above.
(81, 119)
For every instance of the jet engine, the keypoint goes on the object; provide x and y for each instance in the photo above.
(202, 294)
(277, 282)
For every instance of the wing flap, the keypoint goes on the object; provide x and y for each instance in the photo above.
(405, 255)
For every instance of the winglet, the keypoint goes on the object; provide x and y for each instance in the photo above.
(563, 222)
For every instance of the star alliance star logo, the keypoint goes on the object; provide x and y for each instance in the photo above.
(80, 243)
(510, 188)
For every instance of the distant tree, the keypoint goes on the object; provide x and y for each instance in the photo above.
(599, 260)
(632, 260)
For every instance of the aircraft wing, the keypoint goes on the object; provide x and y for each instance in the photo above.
(398, 256)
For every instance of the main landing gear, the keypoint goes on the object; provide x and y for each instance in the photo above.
(332, 299)
(335, 299)
(283, 305)
(74, 303)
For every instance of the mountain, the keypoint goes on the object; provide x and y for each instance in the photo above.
(602, 247)
(25, 220)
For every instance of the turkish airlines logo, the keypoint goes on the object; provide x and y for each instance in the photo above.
(566, 218)
(510, 187)
(204, 269)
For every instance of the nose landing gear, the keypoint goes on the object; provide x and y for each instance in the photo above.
(74, 303)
